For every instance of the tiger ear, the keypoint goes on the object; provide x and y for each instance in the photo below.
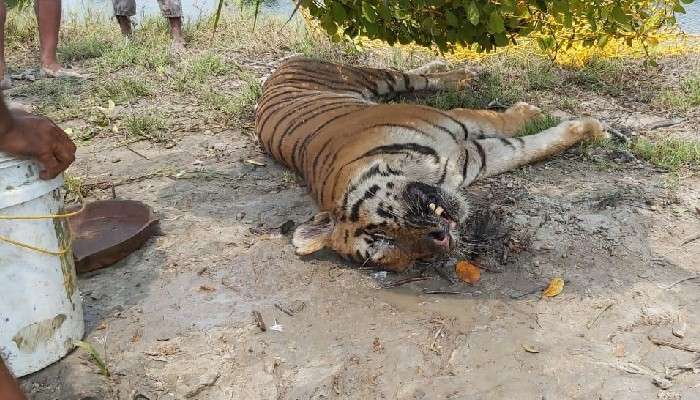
(314, 234)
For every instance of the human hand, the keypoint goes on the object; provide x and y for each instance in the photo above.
(34, 136)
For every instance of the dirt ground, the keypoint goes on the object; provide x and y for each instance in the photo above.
(174, 320)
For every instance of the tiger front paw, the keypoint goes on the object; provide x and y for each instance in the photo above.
(457, 79)
(525, 111)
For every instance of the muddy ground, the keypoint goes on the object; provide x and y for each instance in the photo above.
(173, 320)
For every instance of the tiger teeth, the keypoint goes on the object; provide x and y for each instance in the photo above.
(431, 206)
(439, 211)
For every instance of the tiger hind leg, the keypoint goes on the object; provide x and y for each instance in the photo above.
(431, 67)
(362, 82)
(492, 156)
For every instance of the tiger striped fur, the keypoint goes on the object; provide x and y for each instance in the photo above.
(386, 177)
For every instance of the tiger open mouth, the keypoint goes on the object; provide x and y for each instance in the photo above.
(442, 237)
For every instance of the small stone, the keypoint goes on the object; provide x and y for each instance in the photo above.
(219, 146)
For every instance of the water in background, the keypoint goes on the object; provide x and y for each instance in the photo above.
(690, 21)
(191, 9)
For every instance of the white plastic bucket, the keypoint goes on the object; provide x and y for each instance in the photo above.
(41, 313)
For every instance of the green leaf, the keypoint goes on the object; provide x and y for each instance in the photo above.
(495, 24)
(501, 39)
(372, 28)
(472, 12)
(368, 12)
(686, 1)
(428, 23)
(339, 12)
(568, 20)
(451, 18)
(679, 9)
(328, 24)
(619, 15)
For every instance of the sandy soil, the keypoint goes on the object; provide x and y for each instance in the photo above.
(174, 319)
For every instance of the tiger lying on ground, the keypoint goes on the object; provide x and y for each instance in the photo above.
(386, 177)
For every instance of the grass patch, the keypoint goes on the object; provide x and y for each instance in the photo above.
(146, 126)
(241, 105)
(684, 98)
(601, 75)
(82, 48)
(20, 27)
(670, 154)
(130, 54)
(238, 106)
(538, 125)
(198, 71)
(122, 90)
(540, 76)
(52, 94)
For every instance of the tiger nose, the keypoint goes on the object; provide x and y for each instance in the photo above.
(440, 238)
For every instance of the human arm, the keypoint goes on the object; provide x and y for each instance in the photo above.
(9, 388)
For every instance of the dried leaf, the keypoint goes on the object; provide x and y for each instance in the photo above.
(530, 349)
(556, 285)
(253, 162)
(468, 272)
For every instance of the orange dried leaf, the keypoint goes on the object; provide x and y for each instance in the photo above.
(556, 285)
(468, 272)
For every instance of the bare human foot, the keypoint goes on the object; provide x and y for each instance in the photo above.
(57, 71)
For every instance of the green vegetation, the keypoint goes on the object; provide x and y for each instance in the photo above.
(489, 90)
(130, 54)
(245, 100)
(82, 48)
(601, 75)
(122, 90)
(538, 125)
(146, 126)
(51, 95)
(670, 154)
(554, 24)
(194, 73)
(95, 357)
(685, 97)
(219, 85)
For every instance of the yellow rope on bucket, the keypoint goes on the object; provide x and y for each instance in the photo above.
(50, 216)
(61, 250)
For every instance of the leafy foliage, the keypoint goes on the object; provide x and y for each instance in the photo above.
(489, 24)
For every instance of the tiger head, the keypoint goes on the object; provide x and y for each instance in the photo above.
(388, 224)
